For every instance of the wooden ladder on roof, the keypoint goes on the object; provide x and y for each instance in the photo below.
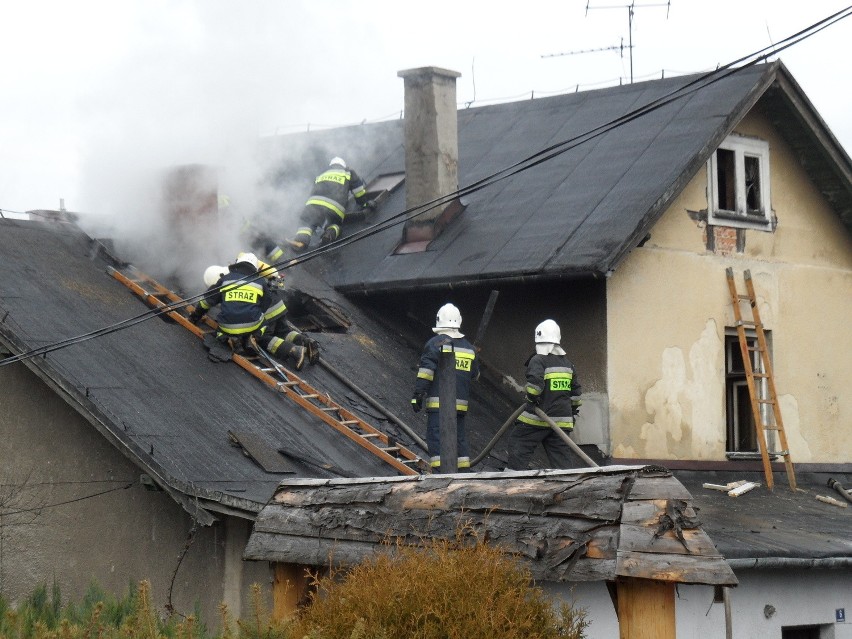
(763, 372)
(280, 379)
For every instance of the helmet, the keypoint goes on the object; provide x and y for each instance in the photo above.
(338, 162)
(548, 333)
(213, 273)
(248, 258)
(448, 317)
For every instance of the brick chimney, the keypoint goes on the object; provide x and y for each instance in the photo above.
(431, 148)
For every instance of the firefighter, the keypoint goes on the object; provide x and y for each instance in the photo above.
(278, 329)
(249, 307)
(553, 387)
(447, 325)
(326, 206)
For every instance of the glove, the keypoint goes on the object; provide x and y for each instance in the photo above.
(575, 407)
(532, 402)
(369, 205)
(196, 315)
(417, 401)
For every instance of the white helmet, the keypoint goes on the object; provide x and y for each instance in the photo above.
(248, 258)
(338, 162)
(548, 333)
(448, 317)
(213, 273)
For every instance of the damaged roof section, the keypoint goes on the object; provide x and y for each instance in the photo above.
(571, 525)
(151, 390)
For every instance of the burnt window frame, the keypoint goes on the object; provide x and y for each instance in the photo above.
(738, 151)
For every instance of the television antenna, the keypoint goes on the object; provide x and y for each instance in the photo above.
(631, 8)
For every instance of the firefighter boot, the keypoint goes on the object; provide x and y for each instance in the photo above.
(313, 351)
(297, 245)
(288, 351)
(331, 233)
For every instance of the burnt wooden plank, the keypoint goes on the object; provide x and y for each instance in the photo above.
(646, 487)
(678, 568)
(641, 539)
(324, 552)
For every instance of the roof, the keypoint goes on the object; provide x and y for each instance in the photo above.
(581, 212)
(153, 393)
(769, 528)
(570, 525)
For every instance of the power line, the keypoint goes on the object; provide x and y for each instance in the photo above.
(523, 165)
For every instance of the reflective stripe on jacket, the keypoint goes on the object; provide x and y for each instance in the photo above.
(552, 381)
(242, 296)
(332, 187)
(467, 368)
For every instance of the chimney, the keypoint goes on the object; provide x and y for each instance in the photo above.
(431, 148)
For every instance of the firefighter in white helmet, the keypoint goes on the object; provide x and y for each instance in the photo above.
(249, 307)
(447, 325)
(326, 206)
(553, 387)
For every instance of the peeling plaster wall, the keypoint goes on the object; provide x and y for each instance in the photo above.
(668, 306)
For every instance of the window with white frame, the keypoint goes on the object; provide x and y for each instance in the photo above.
(738, 184)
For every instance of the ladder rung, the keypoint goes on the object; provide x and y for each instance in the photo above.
(346, 422)
(755, 349)
(745, 323)
(309, 396)
(780, 453)
(759, 375)
(744, 297)
(329, 409)
(765, 401)
(392, 448)
(368, 435)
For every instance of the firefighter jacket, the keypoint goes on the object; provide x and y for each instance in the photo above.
(553, 387)
(467, 369)
(332, 187)
(243, 298)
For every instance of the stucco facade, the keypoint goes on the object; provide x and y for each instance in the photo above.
(74, 512)
(668, 307)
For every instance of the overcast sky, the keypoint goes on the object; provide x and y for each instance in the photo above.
(97, 92)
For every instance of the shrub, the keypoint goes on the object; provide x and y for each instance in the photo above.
(445, 590)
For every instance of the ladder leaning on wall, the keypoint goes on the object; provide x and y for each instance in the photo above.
(764, 372)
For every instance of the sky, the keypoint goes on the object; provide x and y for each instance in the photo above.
(98, 94)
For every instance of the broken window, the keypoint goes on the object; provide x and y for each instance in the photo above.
(738, 179)
(741, 431)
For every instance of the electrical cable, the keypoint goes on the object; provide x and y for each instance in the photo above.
(525, 164)
(65, 503)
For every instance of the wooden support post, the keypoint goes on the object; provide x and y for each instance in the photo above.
(447, 411)
(290, 585)
(646, 609)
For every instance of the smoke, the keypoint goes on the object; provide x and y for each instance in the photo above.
(200, 85)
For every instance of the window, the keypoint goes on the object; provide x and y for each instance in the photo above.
(741, 431)
(738, 184)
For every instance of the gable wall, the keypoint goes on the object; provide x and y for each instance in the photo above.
(668, 306)
(54, 465)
